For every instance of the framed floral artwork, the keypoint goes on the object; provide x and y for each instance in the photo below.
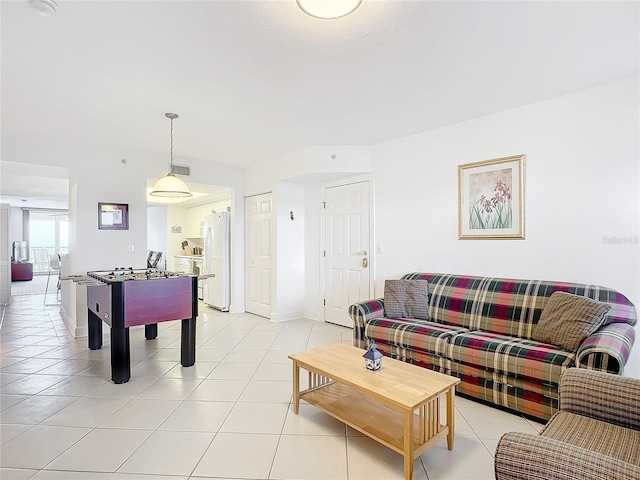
(491, 199)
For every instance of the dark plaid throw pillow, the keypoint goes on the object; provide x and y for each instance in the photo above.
(406, 299)
(568, 319)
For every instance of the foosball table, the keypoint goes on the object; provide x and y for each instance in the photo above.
(127, 297)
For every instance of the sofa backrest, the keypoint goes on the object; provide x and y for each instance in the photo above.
(508, 306)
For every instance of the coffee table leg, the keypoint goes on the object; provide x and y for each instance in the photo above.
(408, 444)
(296, 387)
(450, 417)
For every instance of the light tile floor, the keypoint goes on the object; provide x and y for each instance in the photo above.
(227, 417)
(37, 285)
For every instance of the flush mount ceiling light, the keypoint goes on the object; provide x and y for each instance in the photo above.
(46, 8)
(328, 9)
(170, 186)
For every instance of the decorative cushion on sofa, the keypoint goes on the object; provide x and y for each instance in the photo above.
(406, 299)
(568, 319)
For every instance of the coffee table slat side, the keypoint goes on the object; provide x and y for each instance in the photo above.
(375, 420)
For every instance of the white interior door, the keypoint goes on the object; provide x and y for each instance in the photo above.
(258, 254)
(347, 250)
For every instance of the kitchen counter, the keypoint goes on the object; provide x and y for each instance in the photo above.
(190, 264)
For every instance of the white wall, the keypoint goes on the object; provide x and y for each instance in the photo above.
(5, 255)
(157, 232)
(290, 252)
(15, 229)
(314, 283)
(313, 164)
(581, 190)
(103, 178)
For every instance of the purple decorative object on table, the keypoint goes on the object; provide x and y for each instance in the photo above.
(372, 357)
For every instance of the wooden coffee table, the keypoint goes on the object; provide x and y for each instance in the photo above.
(398, 405)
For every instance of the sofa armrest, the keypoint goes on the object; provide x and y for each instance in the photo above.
(525, 456)
(601, 396)
(608, 349)
(361, 313)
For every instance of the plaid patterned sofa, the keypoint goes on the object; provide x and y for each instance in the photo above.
(480, 330)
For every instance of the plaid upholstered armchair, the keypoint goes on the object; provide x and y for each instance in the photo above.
(594, 436)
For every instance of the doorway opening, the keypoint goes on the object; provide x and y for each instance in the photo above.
(47, 235)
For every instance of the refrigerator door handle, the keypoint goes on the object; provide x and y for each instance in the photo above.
(208, 248)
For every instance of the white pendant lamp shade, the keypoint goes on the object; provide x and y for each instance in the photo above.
(328, 9)
(46, 8)
(171, 186)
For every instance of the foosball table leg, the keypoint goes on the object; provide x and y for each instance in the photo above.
(94, 324)
(188, 342)
(151, 331)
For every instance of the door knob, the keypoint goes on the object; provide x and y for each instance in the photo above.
(365, 262)
(364, 252)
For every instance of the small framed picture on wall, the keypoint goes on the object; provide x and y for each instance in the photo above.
(113, 216)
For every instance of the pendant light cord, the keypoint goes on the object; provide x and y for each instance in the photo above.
(172, 117)
(171, 145)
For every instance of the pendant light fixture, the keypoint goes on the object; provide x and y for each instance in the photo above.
(171, 186)
(328, 9)
(46, 8)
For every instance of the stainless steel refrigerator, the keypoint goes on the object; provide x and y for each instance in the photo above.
(216, 288)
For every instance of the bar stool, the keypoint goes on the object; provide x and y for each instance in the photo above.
(54, 266)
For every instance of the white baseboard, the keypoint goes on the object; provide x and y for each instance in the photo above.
(317, 316)
(285, 317)
(71, 325)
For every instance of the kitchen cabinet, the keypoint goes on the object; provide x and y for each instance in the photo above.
(195, 225)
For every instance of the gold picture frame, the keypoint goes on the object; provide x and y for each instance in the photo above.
(491, 199)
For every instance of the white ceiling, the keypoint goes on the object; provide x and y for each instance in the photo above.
(255, 80)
